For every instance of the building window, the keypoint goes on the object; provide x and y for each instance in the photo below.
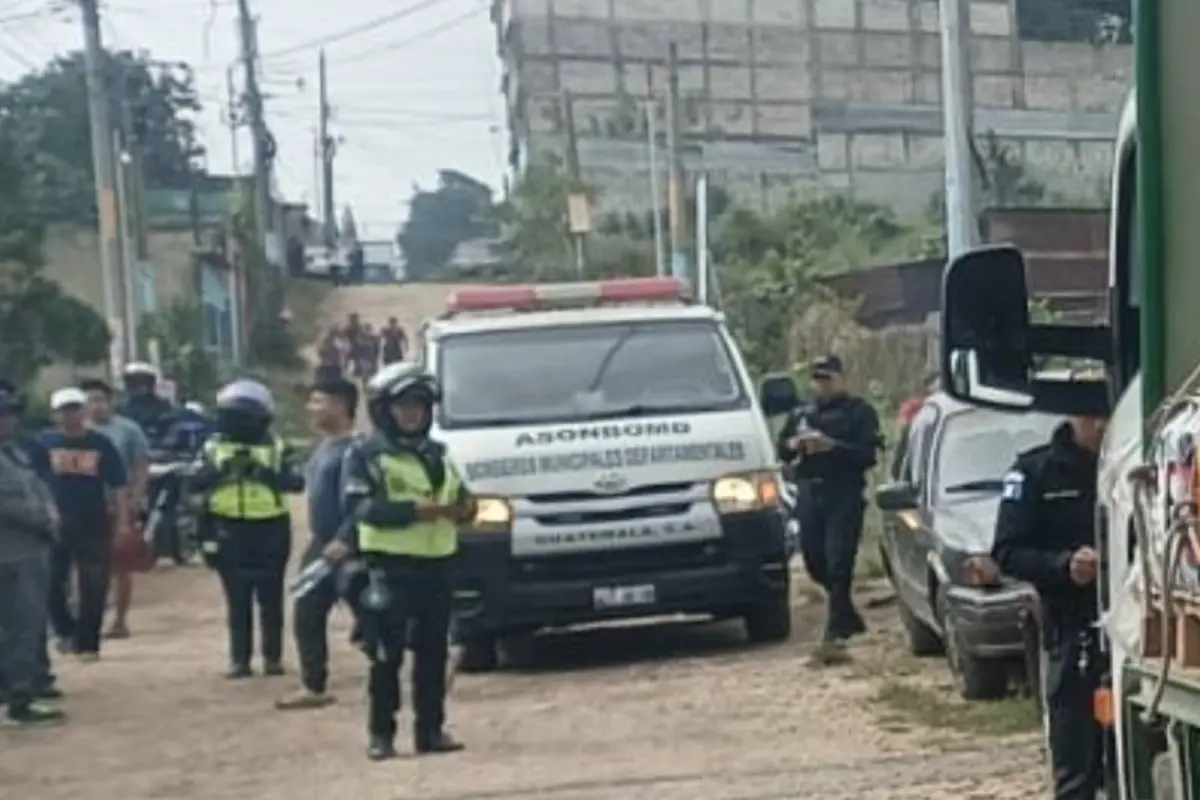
(1097, 21)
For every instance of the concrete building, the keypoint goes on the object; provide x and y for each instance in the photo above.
(813, 95)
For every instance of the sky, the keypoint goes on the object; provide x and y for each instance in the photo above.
(411, 95)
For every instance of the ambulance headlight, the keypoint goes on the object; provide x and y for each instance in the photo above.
(492, 514)
(752, 491)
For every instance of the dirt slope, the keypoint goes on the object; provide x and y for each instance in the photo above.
(410, 303)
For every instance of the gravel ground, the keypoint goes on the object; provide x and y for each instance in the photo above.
(682, 711)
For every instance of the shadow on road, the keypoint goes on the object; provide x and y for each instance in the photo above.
(626, 644)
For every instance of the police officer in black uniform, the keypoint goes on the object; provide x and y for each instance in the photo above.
(1045, 535)
(405, 501)
(830, 444)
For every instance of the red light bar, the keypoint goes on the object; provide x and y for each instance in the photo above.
(533, 297)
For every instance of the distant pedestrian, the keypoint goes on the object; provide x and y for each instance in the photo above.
(395, 342)
(89, 485)
(134, 448)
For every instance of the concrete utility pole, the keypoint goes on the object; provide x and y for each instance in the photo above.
(233, 120)
(101, 128)
(258, 126)
(655, 190)
(958, 104)
(132, 166)
(681, 240)
(328, 148)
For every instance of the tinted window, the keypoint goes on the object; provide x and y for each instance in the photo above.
(979, 446)
(586, 372)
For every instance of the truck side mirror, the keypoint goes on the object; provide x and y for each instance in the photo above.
(990, 348)
(777, 395)
(985, 329)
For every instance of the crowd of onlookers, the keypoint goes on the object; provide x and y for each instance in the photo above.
(72, 498)
(357, 350)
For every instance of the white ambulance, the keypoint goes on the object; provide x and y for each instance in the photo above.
(623, 463)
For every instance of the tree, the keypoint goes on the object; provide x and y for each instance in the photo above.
(49, 112)
(39, 322)
(460, 209)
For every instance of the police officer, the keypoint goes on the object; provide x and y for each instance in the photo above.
(831, 443)
(243, 471)
(1045, 535)
(407, 501)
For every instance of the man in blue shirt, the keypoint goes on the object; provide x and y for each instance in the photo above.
(89, 484)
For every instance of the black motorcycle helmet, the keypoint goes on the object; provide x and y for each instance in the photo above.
(401, 380)
(245, 410)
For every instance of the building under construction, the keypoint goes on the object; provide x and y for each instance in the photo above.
(776, 96)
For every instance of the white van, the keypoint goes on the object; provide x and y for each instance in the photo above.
(623, 465)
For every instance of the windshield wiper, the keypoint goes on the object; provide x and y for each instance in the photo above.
(985, 485)
(649, 410)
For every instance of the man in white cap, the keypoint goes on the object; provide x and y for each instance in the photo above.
(89, 483)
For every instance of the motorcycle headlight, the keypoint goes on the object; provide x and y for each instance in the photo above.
(492, 514)
(751, 491)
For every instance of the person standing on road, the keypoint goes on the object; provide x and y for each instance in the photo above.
(1045, 535)
(131, 443)
(143, 405)
(832, 443)
(28, 524)
(89, 484)
(332, 406)
(244, 471)
(408, 499)
(395, 342)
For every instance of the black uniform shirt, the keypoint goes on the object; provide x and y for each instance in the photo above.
(1047, 512)
(852, 423)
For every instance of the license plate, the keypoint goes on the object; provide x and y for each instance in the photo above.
(623, 596)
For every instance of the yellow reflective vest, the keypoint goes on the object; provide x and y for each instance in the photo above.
(248, 499)
(404, 478)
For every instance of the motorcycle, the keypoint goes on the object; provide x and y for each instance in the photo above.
(171, 528)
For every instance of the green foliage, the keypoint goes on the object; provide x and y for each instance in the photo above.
(271, 340)
(48, 111)
(439, 220)
(1004, 180)
(39, 322)
(179, 329)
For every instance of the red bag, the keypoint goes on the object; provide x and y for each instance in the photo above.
(131, 552)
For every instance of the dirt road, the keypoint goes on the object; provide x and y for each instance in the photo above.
(685, 711)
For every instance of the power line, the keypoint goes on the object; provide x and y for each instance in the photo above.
(354, 30)
(415, 38)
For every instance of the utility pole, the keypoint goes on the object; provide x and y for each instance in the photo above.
(958, 104)
(129, 302)
(578, 212)
(655, 190)
(258, 126)
(233, 120)
(132, 165)
(327, 153)
(681, 240)
(101, 129)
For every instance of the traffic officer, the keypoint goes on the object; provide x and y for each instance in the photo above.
(405, 500)
(830, 444)
(243, 471)
(1045, 535)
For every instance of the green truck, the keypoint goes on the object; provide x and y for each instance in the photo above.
(1148, 381)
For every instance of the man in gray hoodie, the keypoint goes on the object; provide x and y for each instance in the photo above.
(28, 525)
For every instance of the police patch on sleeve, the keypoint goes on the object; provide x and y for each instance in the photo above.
(1014, 486)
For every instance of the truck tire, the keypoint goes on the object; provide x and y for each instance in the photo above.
(923, 641)
(480, 653)
(771, 620)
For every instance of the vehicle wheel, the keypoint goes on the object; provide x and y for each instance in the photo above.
(923, 641)
(480, 653)
(977, 679)
(771, 620)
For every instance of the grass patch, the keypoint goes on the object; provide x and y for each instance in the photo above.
(304, 298)
(927, 706)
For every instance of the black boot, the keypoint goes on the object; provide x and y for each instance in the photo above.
(380, 748)
(238, 671)
(434, 742)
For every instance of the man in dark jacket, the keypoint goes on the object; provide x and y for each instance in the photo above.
(28, 524)
(1045, 534)
(831, 443)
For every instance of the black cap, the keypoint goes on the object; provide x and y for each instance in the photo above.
(826, 365)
